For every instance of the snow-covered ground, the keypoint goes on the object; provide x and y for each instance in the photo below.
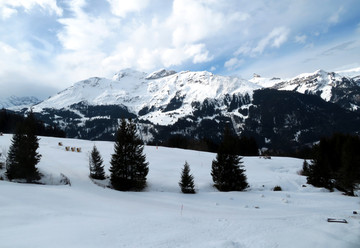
(86, 215)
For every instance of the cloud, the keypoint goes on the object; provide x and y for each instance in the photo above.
(8, 7)
(7, 12)
(340, 47)
(274, 39)
(301, 39)
(335, 17)
(233, 64)
(122, 8)
(193, 21)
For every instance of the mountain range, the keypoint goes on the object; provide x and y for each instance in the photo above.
(279, 113)
(18, 103)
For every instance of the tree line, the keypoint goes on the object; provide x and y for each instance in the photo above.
(335, 163)
(9, 122)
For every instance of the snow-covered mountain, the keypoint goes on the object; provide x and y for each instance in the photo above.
(18, 103)
(200, 104)
(161, 97)
(342, 88)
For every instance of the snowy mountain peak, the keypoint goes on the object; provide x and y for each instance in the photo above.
(160, 74)
(160, 91)
(129, 73)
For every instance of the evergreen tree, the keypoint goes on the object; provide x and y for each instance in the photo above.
(227, 172)
(187, 180)
(128, 164)
(305, 169)
(23, 156)
(349, 174)
(95, 164)
(336, 163)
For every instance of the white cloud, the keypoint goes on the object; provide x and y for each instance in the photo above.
(193, 21)
(198, 52)
(275, 39)
(233, 64)
(11, 5)
(335, 17)
(7, 12)
(122, 8)
(300, 39)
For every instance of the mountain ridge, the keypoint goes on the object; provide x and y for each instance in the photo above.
(200, 104)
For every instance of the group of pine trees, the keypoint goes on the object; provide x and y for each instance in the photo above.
(227, 171)
(335, 164)
(128, 163)
(129, 167)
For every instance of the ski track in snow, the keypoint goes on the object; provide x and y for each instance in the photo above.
(86, 215)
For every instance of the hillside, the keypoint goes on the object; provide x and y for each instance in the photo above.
(86, 215)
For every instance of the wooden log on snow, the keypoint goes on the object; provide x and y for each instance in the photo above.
(337, 220)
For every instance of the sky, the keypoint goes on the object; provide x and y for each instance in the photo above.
(47, 45)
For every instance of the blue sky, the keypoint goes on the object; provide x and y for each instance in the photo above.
(47, 45)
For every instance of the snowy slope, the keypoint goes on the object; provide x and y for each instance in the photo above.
(137, 90)
(86, 215)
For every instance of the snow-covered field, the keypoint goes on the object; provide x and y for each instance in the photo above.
(86, 215)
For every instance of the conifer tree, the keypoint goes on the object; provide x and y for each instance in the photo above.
(23, 156)
(227, 172)
(187, 180)
(319, 172)
(348, 176)
(96, 165)
(128, 163)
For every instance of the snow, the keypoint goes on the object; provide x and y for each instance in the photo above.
(86, 215)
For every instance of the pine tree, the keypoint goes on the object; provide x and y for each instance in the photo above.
(128, 164)
(95, 164)
(187, 180)
(227, 172)
(305, 169)
(348, 176)
(23, 156)
(319, 171)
